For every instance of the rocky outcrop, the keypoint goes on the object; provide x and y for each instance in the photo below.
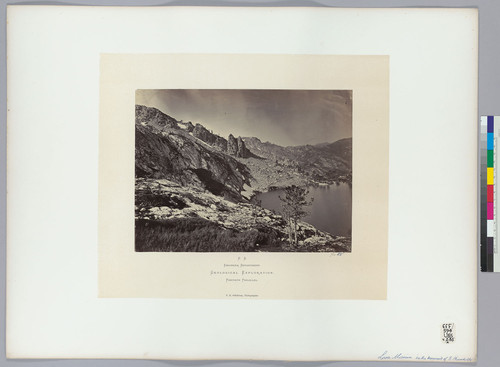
(163, 150)
(164, 203)
(208, 137)
(237, 148)
(189, 126)
(243, 152)
(153, 117)
(180, 158)
(232, 145)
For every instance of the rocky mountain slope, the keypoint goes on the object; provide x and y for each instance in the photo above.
(187, 153)
(165, 148)
(188, 177)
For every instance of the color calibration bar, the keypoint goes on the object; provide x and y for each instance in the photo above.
(490, 261)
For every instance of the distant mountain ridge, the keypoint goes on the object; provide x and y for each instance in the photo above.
(340, 150)
(235, 167)
(325, 162)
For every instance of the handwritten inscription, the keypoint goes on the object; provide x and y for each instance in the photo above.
(386, 355)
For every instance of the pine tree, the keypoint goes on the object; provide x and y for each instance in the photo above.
(293, 203)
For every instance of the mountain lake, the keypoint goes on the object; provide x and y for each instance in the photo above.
(330, 211)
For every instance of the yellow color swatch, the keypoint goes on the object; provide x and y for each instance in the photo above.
(490, 176)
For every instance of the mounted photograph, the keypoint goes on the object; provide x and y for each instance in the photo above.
(225, 170)
(252, 165)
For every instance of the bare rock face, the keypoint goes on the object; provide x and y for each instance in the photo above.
(153, 117)
(203, 134)
(243, 152)
(189, 126)
(232, 145)
(174, 154)
(236, 147)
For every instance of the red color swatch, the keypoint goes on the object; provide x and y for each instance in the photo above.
(490, 194)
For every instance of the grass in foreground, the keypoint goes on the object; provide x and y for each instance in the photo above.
(200, 235)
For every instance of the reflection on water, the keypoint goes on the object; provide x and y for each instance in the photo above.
(330, 211)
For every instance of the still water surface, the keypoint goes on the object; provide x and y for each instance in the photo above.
(330, 211)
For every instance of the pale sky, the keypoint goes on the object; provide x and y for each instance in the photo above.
(283, 117)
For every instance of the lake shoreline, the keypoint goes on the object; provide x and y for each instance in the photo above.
(330, 211)
(178, 218)
(311, 184)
